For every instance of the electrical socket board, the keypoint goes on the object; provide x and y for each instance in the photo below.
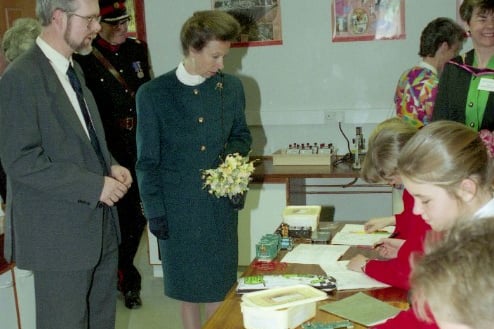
(334, 116)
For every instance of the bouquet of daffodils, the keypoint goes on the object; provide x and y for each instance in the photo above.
(231, 178)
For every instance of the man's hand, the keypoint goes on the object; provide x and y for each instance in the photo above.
(116, 186)
(113, 191)
(122, 175)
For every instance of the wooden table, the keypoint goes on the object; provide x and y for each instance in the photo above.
(229, 316)
(297, 188)
(266, 171)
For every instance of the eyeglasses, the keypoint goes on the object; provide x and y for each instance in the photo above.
(89, 19)
(473, 70)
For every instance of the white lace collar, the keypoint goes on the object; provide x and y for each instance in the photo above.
(186, 78)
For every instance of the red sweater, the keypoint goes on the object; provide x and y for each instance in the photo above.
(412, 229)
(406, 320)
(396, 271)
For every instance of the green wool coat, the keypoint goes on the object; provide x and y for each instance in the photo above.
(183, 130)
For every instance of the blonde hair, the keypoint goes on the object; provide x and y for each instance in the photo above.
(444, 153)
(454, 279)
(20, 37)
(385, 143)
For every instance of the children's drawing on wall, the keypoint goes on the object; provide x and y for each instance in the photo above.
(364, 20)
(260, 20)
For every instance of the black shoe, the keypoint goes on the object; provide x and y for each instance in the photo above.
(132, 299)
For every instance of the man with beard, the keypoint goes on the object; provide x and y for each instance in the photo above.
(62, 181)
(114, 71)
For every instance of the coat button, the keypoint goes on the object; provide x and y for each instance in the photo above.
(196, 92)
(200, 119)
(203, 148)
(472, 124)
(470, 104)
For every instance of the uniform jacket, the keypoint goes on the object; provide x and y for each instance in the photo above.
(452, 94)
(116, 104)
(54, 217)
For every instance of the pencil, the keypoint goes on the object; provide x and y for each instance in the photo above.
(375, 232)
(393, 235)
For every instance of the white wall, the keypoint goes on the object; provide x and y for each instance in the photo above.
(308, 75)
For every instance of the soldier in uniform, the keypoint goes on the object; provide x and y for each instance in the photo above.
(114, 71)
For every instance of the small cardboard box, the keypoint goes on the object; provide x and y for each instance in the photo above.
(282, 158)
(280, 308)
(302, 216)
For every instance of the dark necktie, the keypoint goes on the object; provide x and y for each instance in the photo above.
(76, 85)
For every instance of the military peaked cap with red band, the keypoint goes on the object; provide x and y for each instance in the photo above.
(112, 10)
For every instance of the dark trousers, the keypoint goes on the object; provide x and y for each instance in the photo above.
(132, 223)
(84, 299)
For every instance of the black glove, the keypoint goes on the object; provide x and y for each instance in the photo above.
(159, 227)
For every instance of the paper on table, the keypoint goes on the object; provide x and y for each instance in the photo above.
(354, 235)
(361, 308)
(314, 254)
(262, 282)
(347, 279)
(327, 257)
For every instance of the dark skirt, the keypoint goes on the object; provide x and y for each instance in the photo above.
(200, 258)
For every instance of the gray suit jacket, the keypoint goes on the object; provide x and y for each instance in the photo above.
(53, 217)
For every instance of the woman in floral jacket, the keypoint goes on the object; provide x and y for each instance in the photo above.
(417, 87)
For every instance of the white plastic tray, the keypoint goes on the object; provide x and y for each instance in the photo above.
(280, 308)
(284, 297)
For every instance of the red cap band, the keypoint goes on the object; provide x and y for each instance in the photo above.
(109, 9)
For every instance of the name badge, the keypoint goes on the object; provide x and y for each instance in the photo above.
(486, 84)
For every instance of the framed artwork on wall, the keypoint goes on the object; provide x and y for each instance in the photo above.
(366, 20)
(137, 25)
(260, 20)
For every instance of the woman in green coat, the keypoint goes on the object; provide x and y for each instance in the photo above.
(188, 120)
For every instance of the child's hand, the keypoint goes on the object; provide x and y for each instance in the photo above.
(388, 248)
(375, 224)
(356, 263)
